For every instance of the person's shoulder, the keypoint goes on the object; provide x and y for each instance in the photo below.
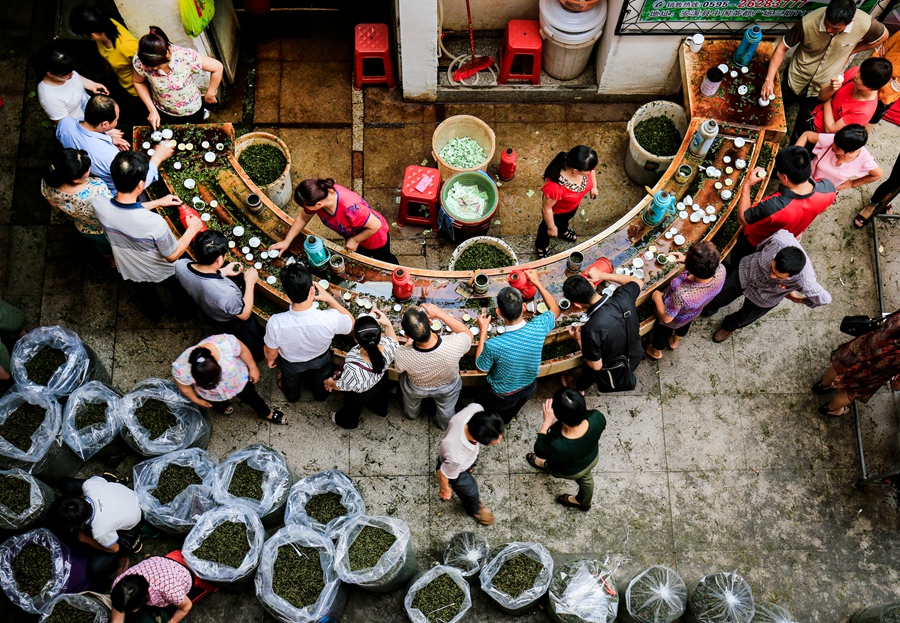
(597, 418)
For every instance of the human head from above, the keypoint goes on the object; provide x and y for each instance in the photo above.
(367, 333)
(416, 324)
(70, 514)
(838, 14)
(702, 259)
(849, 140)
(210, 247)
(580, 160)
(130, 593)
(788, 262)
(129, 171)
(874, 73)
(204, 368)
(297, 283)
(92, 24)
(510, 304)
(54, 61)
(314, 194)
(793, 165)
(68, 166)
(569, 407)
(101, 112)
(579, 291)
(154, 48)
(486, 428)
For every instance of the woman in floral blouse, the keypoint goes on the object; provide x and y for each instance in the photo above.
(68, 186)
(218, 369)
(164, 76)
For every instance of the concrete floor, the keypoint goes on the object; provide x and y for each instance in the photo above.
(717, 461)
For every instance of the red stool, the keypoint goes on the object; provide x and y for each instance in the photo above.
(373, 47)
(202, 588)
(521, 42)
(424, 200)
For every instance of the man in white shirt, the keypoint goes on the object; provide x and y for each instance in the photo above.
(468, 430)
(298, 341)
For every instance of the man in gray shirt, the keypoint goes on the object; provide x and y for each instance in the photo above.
(780, 269)
(208, 281)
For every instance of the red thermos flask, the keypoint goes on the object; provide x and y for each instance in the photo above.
(508, 165)
(402, 283)
(184, 210)
(520, 282)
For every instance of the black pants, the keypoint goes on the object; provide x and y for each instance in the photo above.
(889, 186)
(167, 119)
(741, 249)
(249, 397)
(314, 371)
(790, 97)
(152, 305)
(382, 253)
(880, 110)
(247, 331)
(747, 314)
(542, 241)
(508, 406)
(375, 399)
(661, 334)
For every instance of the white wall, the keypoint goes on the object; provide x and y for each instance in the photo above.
(487, 14)
(418, 48)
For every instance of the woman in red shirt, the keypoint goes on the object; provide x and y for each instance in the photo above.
(569, 177)
(341, 210)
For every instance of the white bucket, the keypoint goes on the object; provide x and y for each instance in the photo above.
(569, 38)
(641, 166)
(280, 190)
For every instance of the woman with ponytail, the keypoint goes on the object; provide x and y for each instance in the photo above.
(68, 186)
(341, 210)
(364, 379)
(164, 76)
(218, 369)
(568, 178)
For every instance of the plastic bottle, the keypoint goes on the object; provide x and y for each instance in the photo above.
(703, 138)
(747, 48)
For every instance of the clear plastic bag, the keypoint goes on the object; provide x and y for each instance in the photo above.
(179, 515)
(90, 440)
(417, 616)
(395, 567)
(720, 598)
(655, 595)
(275, 485)
(81, 602)
(333, 481)
(583, 592)
(302, 536)
(768, 612)
(467, 552)
(530, 596)
(59, 578)
(42, 439)
(192, 428)
(80, 365)
(40, 498)
(215, 572)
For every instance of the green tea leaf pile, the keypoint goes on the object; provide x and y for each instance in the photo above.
(91, 413)
(21, 424)
(297, 575)
(368, 548)
(154, 415)
(15, 493)
(324, 507)
(42, 366)
(517, 575)
(174, 479)
(263, 163)
(481, 257)
(226, 545)
(246, 482)
(32, 569)
(440, 600)
(64, 612)
(658, 135)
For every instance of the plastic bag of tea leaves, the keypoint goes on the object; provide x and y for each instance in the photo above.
(170, 421)
(375, 553)
(169, 509)
(48, 562)
(54, 358)
(29, 425)
(297, 588)
(467, 552)
(529, 595)
(23, 499)
(655, 595)
(90, 419)
(882, 613)
(69, 602)
(316, 487)
(257, 475)
(447, 603)
(720, 598)
(583, 591)
(209, 547)
(768, 612)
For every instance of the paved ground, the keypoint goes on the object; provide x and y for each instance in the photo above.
(718, 461)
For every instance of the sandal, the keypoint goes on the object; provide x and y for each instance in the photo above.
(569, 236)
(565, 501)
(649, 350)
(532, 460)
(276, 417)
(818, 388)
(228, 410)
(543, 254)
(673, 341)
(568, 380)
(862, 220)
(824, 410)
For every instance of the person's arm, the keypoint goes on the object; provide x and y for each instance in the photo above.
(575, 334)
(117, 617)
(875, 174)
(828, 120)
(484, 321)
(596, 276)
(549, 417)
(168, 200)
(807, 138)
(190, 394)
(659, 306)
(768, 87)
(746, 189)
(828, 91)
(547, 214)
(194, 226)
(161, 153)
(183, 608)
(385, 322)
(271, 356)
(594, 191)
(863, 46)
(83, 538)
(143, 90)
(251, 276)
(333, 303)
(445, 492)
(373, 224)
(552, 305)
(457, 326)
(215, 68)
(93, 87)
(299, 223)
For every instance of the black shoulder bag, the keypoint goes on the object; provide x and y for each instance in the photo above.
(616, 374)
(860, 325)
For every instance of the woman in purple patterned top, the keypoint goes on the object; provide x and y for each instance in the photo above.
(687, 295)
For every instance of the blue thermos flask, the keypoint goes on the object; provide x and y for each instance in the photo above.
(662, 204)
(316, 252)
(747, 48)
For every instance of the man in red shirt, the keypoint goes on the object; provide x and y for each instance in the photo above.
(796, 204)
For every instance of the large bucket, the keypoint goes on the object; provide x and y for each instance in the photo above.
(458, 126)
(459, 227)
(482, 240)
(280, 190)
(569, 38)
(641, 166)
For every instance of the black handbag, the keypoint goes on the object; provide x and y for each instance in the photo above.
(860, 325)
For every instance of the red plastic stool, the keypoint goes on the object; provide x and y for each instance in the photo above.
(424, 200)
(521, 43)
(373, 44)
(204, 587)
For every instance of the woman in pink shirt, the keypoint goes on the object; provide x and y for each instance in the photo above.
(842, 158)
(155, 582)
(341, 210)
